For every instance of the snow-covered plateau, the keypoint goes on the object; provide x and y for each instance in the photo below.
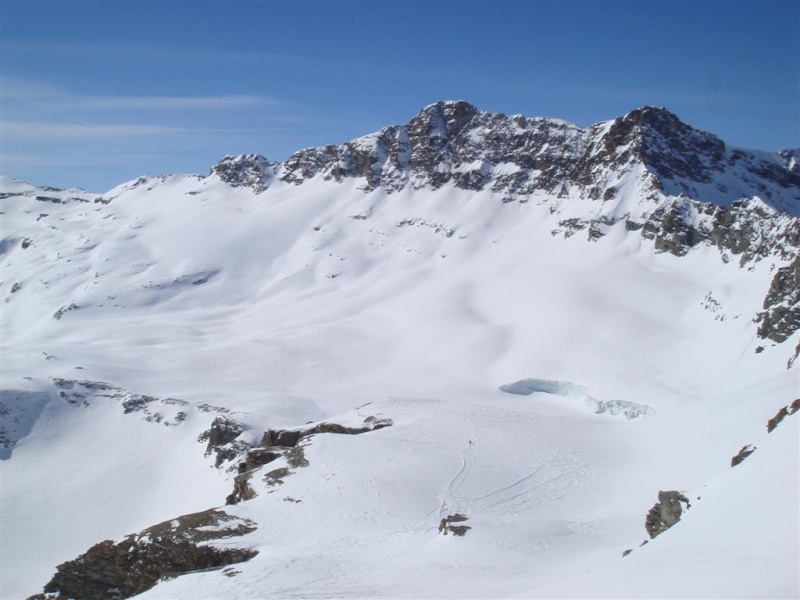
(473, 356)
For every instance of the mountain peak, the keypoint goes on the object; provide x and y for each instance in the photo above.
(450, 106)
(443, 119)
(652, 115)
(453, 142)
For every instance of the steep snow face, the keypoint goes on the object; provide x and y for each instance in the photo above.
(337, 289)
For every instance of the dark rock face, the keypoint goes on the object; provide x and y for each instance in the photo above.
(784, 412)
(446, 525)
(451, 142)
(671, 148)
(284, 438)
(279, 437)
(285, 444)
(241, 489)
(665, 513)
(221, 438)
(746, 229)
(746, 451)
(781, 316)
(776, 420)
(137, 563)
(247, 170)
(257, 458)
(516, 157)
(369, 425)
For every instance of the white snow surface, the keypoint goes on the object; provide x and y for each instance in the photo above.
(323, 302)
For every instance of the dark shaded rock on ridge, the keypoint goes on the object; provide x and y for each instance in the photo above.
(138, 562)
(247, 170)
(221, 438)
(780, 318)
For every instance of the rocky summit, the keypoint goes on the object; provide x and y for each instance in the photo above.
(519, 158)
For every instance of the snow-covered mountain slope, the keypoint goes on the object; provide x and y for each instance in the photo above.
(506, 291)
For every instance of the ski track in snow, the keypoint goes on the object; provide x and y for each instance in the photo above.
(450, 503)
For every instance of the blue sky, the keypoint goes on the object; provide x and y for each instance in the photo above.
(96, 93)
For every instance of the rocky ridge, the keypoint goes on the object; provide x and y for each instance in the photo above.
(690, 188)
(781, 315)
(518, 157)
(138, 562)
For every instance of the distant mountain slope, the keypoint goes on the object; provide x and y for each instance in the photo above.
(454, 358)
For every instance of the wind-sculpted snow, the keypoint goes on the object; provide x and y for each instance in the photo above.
(572, 391)
(19, 410)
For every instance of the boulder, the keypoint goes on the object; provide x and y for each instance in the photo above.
(665, 513)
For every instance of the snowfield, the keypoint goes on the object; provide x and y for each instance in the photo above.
(544, 386)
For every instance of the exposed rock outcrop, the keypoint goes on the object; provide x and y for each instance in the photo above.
(222, 439)
(247, 170)
(746, 451)
(446, 525)
(781, 316)
(370, 424)
(665, 513)
(138, 562)
(516, 157)
(281, 438)
(242, 490)
(289, 438)
(286, 444)
(257, 458)
(785, 411)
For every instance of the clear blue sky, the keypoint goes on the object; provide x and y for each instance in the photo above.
(97, 93)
